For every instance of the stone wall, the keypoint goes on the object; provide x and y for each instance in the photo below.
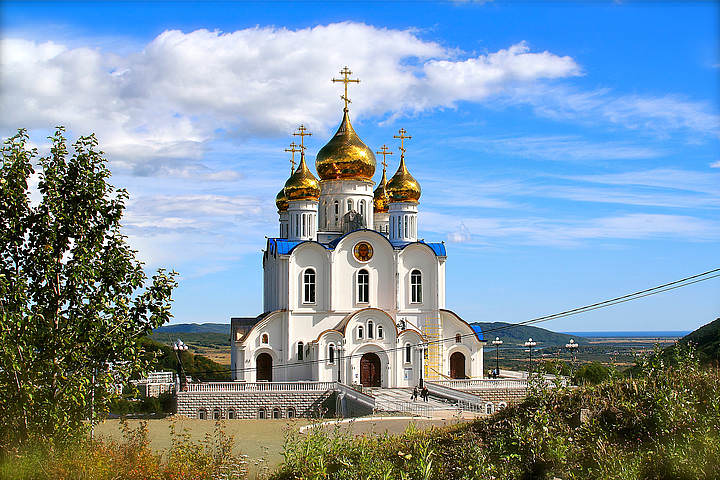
(250, 404)
(497, 395)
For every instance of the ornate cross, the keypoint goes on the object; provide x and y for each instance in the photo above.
(384, 151)
(293, 148)
(402, 138)
(302, 133)
(345, 72)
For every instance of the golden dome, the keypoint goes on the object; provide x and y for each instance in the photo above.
(345, 157)
(302, 185)
(381, 198)
(281, 201)
(402, 187)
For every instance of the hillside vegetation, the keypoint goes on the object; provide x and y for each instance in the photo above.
(706, 341)
(196, 366)
(512, 334)
(663, 425)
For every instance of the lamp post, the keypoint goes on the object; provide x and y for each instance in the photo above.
(497, 342)
(340, 349)
(179, 346)
(530, 344)
(572, 349)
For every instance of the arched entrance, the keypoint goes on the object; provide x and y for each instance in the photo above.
(370, 372)
(457, 365)
(264, 367)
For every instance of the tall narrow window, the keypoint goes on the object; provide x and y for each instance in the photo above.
(309, 286)
(458, 338)
(362, 207)
(297, 225)
(380, 332)
(337, 208)
(331, 353)
(371, 329)
(361, 332)
(416, 286)
(408, 358)
(304, 225)
(363, 286)
(349, 204)
(407, 232)
(300, 351)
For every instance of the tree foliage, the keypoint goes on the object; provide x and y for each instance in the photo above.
(73, 297)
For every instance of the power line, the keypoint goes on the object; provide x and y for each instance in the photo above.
(700, 277)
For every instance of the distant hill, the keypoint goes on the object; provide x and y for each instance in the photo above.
(195, 328)
(196, 366)
(512, 334)
(706, 340)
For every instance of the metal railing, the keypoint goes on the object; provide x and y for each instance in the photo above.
(356, 395)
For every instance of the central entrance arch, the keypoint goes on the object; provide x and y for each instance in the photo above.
(263, 364)
(370, 372)
(457, 365)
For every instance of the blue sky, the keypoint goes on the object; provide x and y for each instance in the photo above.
(568, 153)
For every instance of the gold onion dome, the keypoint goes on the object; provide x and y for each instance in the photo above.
(281, 201)
(302, 184)
(403, 187)
(345, 157)
(381, 198)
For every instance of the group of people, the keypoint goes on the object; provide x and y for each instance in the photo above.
(423, 392)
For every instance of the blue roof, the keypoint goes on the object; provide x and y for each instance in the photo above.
(478, 331)
(283, 246)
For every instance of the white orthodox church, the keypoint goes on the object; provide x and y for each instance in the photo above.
(350, 293)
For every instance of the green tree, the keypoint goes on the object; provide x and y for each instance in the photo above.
(592, 373)
(73, 298)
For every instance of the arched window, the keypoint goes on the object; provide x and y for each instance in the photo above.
(231, 414)
(489, 408)
(380, 332)
(501, 405)
(216, 414)
(291, 412)
(371, 329)
(262, 413)
(407, 232)
(297, 224)
(361, 203)
(399, 225)
(337, 208)
(331, 353)
(202, 414)
(309, 286)
(408, 353)
(276, 413)
(416, 286)
(458, 338)
(265, 338)
(349, 204)
(361, 332)
(300, 351)
(363, 285)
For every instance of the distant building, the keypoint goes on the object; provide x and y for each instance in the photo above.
(157, 383)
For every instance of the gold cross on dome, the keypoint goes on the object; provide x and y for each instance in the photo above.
(293, 148)
(345, 72)
(402, 138)
(302, 133)
(384, 151)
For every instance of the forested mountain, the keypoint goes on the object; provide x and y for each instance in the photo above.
(195, 328)
(512, 334)
(706, 340)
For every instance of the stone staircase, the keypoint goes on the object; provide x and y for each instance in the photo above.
(398, 400)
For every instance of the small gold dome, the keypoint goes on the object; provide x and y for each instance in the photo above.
(402, 187)
(381, 198)
(345, 157)
(281, 201)
(302, 185)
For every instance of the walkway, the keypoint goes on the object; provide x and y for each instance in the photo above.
(398, 400)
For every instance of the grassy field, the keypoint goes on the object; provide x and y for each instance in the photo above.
(261, 440)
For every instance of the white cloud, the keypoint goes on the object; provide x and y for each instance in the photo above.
(715, 164)
(156, 110)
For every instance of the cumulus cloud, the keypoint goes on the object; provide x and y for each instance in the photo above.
(156, 110)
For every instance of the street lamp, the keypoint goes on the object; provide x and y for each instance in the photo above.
(530, 344)
(497, 342)
(179, 346)
(340, 349)
(572, 349)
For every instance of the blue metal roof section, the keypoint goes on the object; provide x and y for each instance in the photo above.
(283, 246)
(478, 331)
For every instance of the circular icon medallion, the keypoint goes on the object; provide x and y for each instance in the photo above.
(363, 251)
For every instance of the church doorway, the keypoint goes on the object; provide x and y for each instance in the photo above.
(264, 367)
(457, 365)
(370, 370)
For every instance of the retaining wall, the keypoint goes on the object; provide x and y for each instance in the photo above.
(249, 404)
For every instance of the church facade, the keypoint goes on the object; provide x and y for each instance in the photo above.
(350, 293)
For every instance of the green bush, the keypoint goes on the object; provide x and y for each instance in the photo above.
(592, 373)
